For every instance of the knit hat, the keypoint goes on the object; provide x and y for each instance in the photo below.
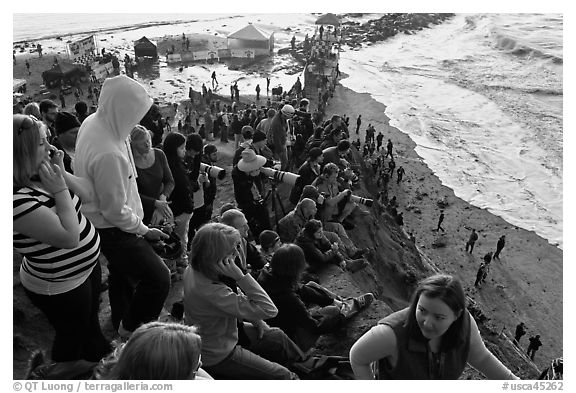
(250, 161)
(314, 153)
(288, 110)
(65, 121)
(268, 239)
(304, 102)
(258, 136)
(194, 142)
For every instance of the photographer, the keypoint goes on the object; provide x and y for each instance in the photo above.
(247, 191)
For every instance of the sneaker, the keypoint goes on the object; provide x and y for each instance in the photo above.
(355, 265)
(364, 300)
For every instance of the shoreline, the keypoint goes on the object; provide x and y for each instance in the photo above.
(524, 285)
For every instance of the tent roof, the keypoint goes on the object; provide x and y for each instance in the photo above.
(145, 42)
(62, 68)
(250, 33)
(328, 19)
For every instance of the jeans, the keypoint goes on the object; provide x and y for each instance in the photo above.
(250, 362)
(74, 316)
(139, 280)
(182, 225)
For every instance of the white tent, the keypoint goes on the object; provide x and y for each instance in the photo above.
(250, 37)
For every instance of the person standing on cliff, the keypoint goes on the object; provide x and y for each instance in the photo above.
(321, 31)
(499, 246)
(293, 42)
(440, 220)
(358, 123)
(535, 343)
(257, 92)
(520, 331)
(267, 86)
(471, 241)
(28, 68)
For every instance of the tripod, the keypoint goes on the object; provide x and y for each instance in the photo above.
(276, 201)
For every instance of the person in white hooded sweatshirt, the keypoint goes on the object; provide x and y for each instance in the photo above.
(139, 281)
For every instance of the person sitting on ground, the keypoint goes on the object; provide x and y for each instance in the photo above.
(66, 127)
(290, 226)
(156, 350)
(231, 348)
(247, 191)
(337, 204)
(60, 271)
(312, 192)
(320, 252)
(155, 181)
(434, 338)
(269, 243)
(249, 257)
(308, 172)
(282, 283)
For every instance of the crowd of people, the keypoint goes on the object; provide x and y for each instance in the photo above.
(120, 183)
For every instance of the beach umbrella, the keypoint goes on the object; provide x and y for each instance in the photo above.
(328, 19)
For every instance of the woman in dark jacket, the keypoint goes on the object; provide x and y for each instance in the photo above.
(182, 203)
(320, 252)
(281, 282)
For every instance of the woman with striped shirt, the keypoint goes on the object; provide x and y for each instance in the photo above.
(60, 271)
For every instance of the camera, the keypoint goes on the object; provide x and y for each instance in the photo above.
(213, 171)
(364, 201)
(280, 176)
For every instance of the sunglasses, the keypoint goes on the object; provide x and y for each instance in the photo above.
(28, 123)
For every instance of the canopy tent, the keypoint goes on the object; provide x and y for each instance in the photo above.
(328, 19)
(145, 48)
(251, 37)
(69, 73)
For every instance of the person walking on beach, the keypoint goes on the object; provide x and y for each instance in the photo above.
(28, 68)
(231, 92)
(488, 257)
(520, 331)
(391, 167)
(471, 241)
(535, 343)
(293, 42)
(400, 172)
(499, 246)
(440, 221)
(358, 123)
(257, 92)
(379, 139)
(389, 147)
(214, 79)
(39, 50)
(481, 274)
(267, 86)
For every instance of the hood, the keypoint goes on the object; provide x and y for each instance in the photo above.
(122, 104)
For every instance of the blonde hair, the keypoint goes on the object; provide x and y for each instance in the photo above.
(25, 143)
(33, 109)
(156, 350)
(139, 132)
(211, 244)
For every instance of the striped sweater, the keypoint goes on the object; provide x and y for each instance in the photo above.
(48, 270)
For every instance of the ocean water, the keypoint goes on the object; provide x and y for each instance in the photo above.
(481, 94)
